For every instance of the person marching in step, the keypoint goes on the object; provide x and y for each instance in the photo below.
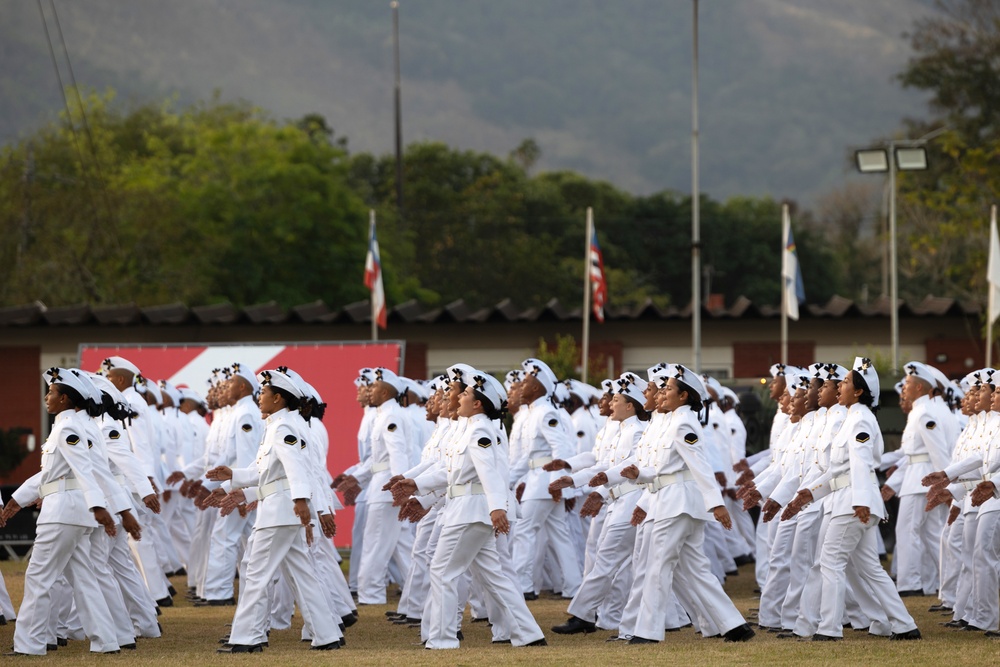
(615, 443)
(180, 524)
(849, 549)
(73, 501)
(721, 546)
(684, 496)
(542, 440)
(281, 483)
(475, 512)
(926, 449)
(194, 408)
(742, 521)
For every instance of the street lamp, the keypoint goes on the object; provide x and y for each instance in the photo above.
(901, 155)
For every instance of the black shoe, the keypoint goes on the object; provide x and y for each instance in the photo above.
(393, 614)
(240, 648)
(529, 597)
(745, 559)
(348, 620)
(939, 607)
(971, 628)
(992, 634)
(575, 626)
(172, 591)
(51, 647)
(825, 638)
(912, 593)
(787, 635)
(642, 640)
(180, 573)
(956, 623)
(538, 642)
(342, 642)
(224, 640)
(407, 620)
(501, 641)
(3, 620)
(165, 602)
(62, 641)
(480, 620)
(228, 602)
(741, 633)
(130, 647)
(903, 636)
(459, 636)
(332, 646)
(734, 573)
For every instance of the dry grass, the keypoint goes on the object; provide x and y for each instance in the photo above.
(190, 637)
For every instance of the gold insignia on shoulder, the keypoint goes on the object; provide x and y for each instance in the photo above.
(290, 440)
(391, 428)
(247, 428)
(553, 422)
(72, 439)
(691, 438)
(931, 426)
(114, 435)
(484, 442)
(862, 437)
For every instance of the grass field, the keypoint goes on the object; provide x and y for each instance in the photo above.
(190, 638)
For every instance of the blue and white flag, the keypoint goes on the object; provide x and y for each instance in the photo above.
(791, 275)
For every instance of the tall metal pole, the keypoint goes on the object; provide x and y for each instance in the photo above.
(371, 295)
(784, 287)
(399, 109)
(893, 274)
(585, 351)
(990, 314)
(695, 208)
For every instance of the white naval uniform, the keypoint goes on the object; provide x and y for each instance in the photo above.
(476, 486)
(70, 491)
(280, 475)
(850, 482)
(683, 491)
(361, 502)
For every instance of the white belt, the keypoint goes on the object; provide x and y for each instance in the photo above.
(971, 484)
(918, 458)
(539, 462)
(844, 481)
(666, 480)
(622, 489)
(273, 487)
(58, 486)
(379, 467)
(470, 489)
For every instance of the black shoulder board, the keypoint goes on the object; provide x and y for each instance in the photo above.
(114, 435)
(90, 444)
(579, 434)
(485, 442)
(303, 445)
(553, 422)
(931, 425)
(862, 437)
(290, 440)
(691, 438)
(392, 427)
(72, 439)
(247, 427)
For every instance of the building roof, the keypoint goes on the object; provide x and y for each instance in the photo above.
(411, 312)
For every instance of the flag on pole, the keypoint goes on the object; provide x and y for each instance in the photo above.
(993, 270)
(598, 284)
(791, 274)
(373, 277)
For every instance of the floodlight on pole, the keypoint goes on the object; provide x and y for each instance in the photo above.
(896, 155)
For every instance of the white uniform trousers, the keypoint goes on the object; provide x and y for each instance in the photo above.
(63, 620)
(966, 575)
(357, 544)
(578, 535)
(229, 536)
(385, 540)
(720, 560)
(411, 602)
(951, 560)
(676, 545)
(985, 610)
(595, 525)
(850, 553)
(6, 606)
(140, 604)
(800, 563)
(425, 621)
(640, 557)
(615, 547)
(324, 554)
(181, 526)
(145, 551)
(100, 554)
(918, 540)
(201, 540)
(536, 514)
(772, 595)
(165, 551)
(282, 598)
(284, 548)
(59, 550)
(762, 551)
(609, 614)
(501, 629)
(742, 524)
(473, 547)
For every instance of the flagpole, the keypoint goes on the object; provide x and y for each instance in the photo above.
(585, 348)
(371, 296)
(784, 288)
(989, 299)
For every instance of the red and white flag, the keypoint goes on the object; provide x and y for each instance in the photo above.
(598, 284)
(373, 277)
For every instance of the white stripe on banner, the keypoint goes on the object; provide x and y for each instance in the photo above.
(195, 373)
